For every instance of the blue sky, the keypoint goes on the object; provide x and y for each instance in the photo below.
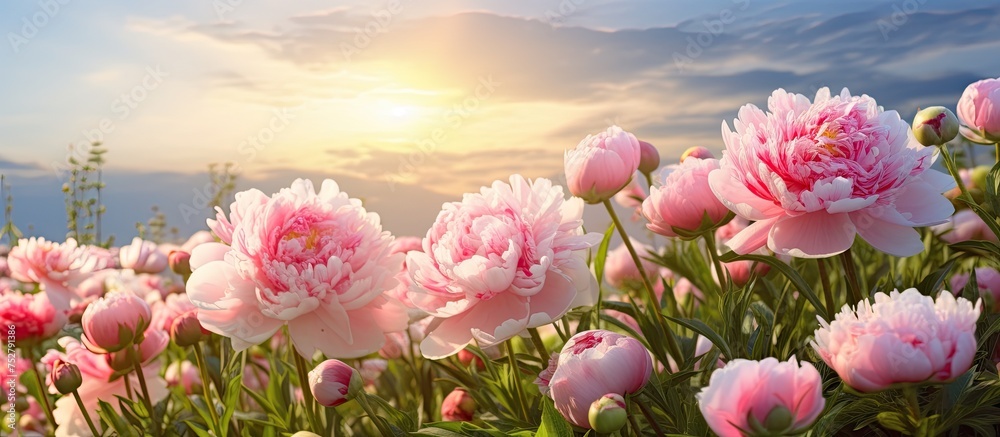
(409, 104)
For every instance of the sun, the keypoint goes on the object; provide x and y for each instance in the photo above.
(401, 111)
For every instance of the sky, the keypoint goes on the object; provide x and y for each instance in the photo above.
(408, 104)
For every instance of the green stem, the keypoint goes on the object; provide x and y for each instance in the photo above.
(147, 401)
(633, 425)
(362, 399)
(516, 377)
(672, 347)
(949, 164)
(996, 149)
(913, 405)
(824, 278)
(536, 339)
(852, 276)
(205, 381)
(649, 415)
(46, 405)
(300, 367)
(86, 415)
(649, 180)
(713, 253)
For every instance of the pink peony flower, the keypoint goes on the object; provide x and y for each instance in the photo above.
(698, 152)
(505, 259)
(979, 111)
(767, 397)
(620, 270)
(458, 406)
(815, 174)
(683, 199)
(545, 376)
(59, 268)
(142, 257)
(901, 338)
(602, 164)
(32, 315)
(115, 321)
(404, 245)
(183, 374)
(330, 382)
(632, 195)
(317, 262)
(965, 225)
(97, 385)
(592, 364)
(987, 281)
(371, 369)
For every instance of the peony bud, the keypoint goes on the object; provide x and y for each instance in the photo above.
(115, 322)
(608, 414)
(697, 152)
(935, 126)
(467, 358)
(186, 330)
(65, 376)
(649, 158)
(979, 111)
(684, 204)
(458, 406)
(333, 382)
(180, 262)
(602, 164)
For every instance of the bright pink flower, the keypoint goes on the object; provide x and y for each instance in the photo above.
(815, 174)
(183, 374)
(330, 382)
(987, 281)
(683, 199)
(507, 258)
(620, 270)
(142, 257)
(602, 164)
(97, 385)
(979, 111)
(901, 338)
(114, 321)
(458, 406)
(58, 267)
(592, 364)
(32, 315)
(767, 397)
(965, 225)
(317, 262)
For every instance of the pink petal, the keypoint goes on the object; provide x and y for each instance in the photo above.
(891, 238)
(207, 252)
(735, 195)
(813, 235)
(752, 237)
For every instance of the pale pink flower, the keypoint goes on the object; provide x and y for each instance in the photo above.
(545, 376)
(698, 152)
(979, 111)
(965, 225)
(987, 281)
(815, 174)
(59, 268)
(404, 245)
(183, 374)
(97, 386)
(901, 338)
(317, 262)
(682, 199)
(632, 195)
(32, 315)
(505, 259)
(620, 270)
(592, 364)
(195, 240)
(602, 164)
(396, 344)
(750, 395)
(371, 369)
(142, 257)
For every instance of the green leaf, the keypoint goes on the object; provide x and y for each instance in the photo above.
(111, 417)
(893, 421)
(992, 188)
(932, 282)
(786, 270)
(703, 329)
(602, 254)
(553, 424)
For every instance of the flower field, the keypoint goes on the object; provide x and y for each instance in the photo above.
(835, 271)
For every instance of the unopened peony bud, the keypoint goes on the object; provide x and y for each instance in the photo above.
(333, 382)
(697, 152)
(65, 376)
(467, 358)
(458, 406)
(180, 262)
(186, 330)
(649, 158)
(602, 164)
(935, 126)
(777, 422)
(608, 414)
(115, 321)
